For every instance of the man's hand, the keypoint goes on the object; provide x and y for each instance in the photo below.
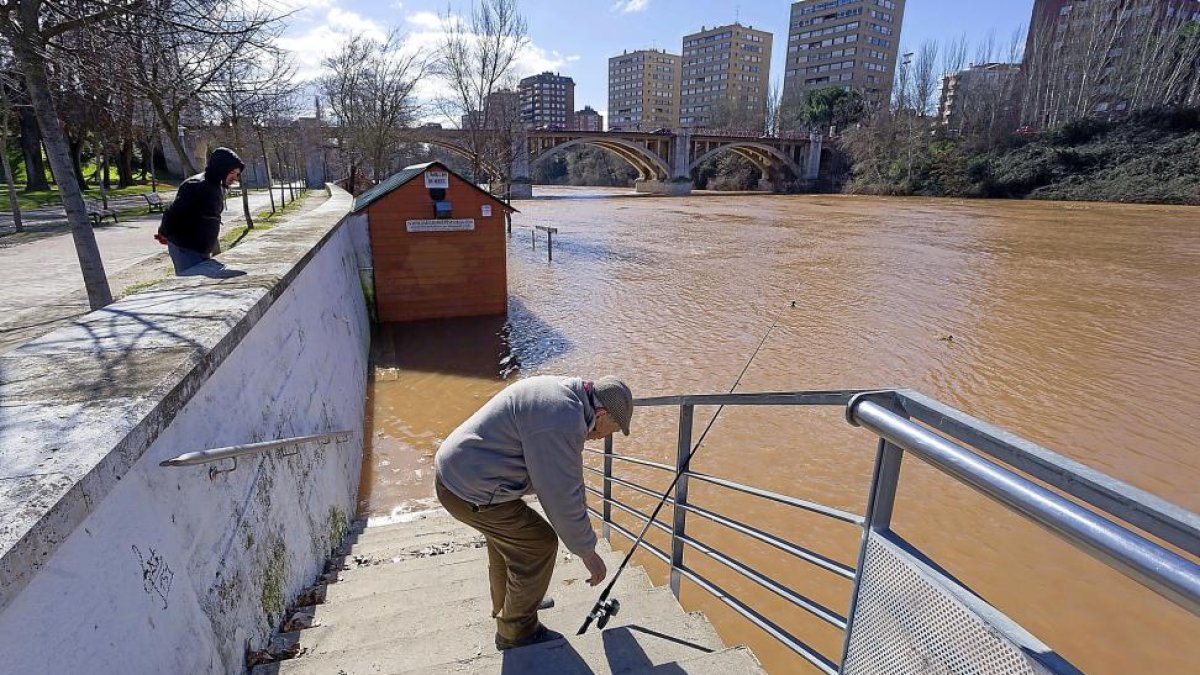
(160, 239)
(595, 565)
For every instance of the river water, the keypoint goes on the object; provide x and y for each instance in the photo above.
(1072, 325)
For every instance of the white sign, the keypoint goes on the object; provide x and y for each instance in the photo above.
(487, 210)
(437, 179)
(463, 225)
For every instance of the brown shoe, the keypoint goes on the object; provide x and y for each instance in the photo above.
(542, 634)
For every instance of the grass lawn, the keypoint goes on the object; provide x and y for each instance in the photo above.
(46, 198)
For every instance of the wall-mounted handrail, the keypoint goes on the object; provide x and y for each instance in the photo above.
(1155, 567)
(234, 451)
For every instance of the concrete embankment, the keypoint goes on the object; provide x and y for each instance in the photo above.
(110, 562)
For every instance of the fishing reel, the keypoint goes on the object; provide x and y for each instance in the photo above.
(607, 609)
(601, 613)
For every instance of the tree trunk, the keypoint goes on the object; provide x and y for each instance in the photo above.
(266, 160)
(31, 148)
(57, 150)
(125, 164)
(9, 179)
(75, 147)
(153, 174)
(102, 165)
(237, 147)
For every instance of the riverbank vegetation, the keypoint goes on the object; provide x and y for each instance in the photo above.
(1149, 157)
(1105, 107)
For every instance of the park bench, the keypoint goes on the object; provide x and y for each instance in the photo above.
(98, 213)
(154, 202)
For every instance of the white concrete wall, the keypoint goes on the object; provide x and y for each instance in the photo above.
(172, 571)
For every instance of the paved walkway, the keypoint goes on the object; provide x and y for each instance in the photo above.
(41, 285)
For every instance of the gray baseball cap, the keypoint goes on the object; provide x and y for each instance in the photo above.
(614, 396)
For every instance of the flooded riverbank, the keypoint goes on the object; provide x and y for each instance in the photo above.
(1070, 324)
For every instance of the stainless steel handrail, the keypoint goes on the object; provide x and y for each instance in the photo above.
(1155, 567)
(812, 507)
(632, 460)
(754, 533)
(792, 642)
(883, 412)
(235, 451)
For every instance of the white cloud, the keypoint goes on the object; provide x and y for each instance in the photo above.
(425, 20)
(323, 39)
(345, 21)
(630, 6)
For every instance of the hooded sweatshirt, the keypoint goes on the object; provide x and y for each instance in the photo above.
(527, 439)
(193, 221)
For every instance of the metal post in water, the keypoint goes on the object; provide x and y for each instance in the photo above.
(683, 453)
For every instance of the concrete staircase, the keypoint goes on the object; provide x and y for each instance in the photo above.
(413, 598)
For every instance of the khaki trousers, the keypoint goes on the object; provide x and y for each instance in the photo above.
(522, 548)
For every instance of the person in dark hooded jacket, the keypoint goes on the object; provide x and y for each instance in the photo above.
(191, 225)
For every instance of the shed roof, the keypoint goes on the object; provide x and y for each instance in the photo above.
(405, 175)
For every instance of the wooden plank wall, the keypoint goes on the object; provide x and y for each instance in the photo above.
(436, 275)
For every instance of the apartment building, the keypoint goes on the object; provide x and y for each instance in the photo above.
(502, 110)
(547, 101)
(726, 72)
(643, 90)
(1108, 57)
(587, 120)
(972, 95)
(851, 44)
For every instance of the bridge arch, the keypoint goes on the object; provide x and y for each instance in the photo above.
(763, 156)
(649, 165)
(493, 171)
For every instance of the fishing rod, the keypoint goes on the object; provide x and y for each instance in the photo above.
(606, 608)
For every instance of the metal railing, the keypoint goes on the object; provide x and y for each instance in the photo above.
(234, 451)
(907, 422)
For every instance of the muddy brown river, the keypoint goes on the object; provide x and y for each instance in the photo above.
(1073, 325)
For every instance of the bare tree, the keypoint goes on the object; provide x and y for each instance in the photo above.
(181, 48)
(30, 26)
(476, 60)
(1110, 57)
(249, 89)
(924, 78)
(369, 85)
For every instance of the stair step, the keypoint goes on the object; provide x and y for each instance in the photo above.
(621, 648)
(472, 617)
(732, 661)
(430, 522)
(451, 582)
(429, 544)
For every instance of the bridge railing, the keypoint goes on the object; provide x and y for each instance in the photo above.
(904, 613)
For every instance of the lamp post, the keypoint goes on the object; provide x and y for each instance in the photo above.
(904, 75)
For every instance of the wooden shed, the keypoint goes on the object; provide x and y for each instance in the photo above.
(439, 246)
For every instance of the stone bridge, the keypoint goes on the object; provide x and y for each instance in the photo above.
(664, 160)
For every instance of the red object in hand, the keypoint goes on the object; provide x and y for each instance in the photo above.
(160, 239)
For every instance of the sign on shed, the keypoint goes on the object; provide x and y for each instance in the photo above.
(438, 244)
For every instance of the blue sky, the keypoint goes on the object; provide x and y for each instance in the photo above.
(576, 37)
